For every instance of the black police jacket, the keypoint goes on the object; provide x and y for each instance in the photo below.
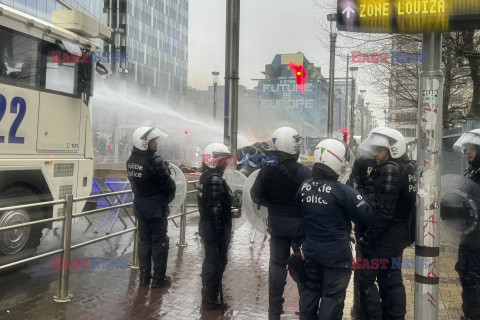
(214, 199)
(275, 188)
(395, 198)
(152, 185)
(328, 207)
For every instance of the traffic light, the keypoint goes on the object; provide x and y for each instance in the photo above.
(345, 136)
(300, 75)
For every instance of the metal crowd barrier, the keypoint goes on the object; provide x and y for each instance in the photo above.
(63, 295)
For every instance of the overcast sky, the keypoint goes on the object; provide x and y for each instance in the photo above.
(267, 27)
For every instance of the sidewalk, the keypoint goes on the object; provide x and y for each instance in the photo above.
(115, 294)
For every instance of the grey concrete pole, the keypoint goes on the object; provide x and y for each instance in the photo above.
(331, 81)
(429, 152)
(345, 102)
(232, 49)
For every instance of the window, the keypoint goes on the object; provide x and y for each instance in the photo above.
(18, 58)
(60, 77)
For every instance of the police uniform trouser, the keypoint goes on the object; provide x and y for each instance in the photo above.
(153, 244)
(390, 284)
(216, 249)
(468, 268)
(277, 272)
(326, 283)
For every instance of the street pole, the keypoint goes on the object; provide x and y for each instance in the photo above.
(345, 102)
(352, 113)
(215, 75)
(331, 85)
(429, 154)
(214, 101)
(232, 49)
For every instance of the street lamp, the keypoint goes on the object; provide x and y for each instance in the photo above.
(369, 125)
(215, 75)
(354, 71)
(331, 86)
(362, 114)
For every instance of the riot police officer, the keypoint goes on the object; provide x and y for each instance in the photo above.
(328, 207)
(468, 265)
(214, 203)
(275, 188)
(154, 189)
(389, 232)
(359, 180)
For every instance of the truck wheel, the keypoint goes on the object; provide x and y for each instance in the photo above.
(22, 242)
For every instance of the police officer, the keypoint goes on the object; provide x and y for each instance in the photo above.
(389, 232)
(214, 203)
(359, 180)
(153, 189)
(328, 207)
(468, 264)
(275, 188)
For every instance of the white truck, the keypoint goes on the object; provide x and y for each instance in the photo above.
(46, 147)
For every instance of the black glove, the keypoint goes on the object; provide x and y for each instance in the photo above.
(365, 245)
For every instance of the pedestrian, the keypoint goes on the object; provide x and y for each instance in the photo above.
(364, 185)
(153, 190)
(468, 264)
(390, 231)
(327, 208)
(275, 188)
(215, 227)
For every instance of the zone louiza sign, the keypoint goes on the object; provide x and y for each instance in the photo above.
(407, 16)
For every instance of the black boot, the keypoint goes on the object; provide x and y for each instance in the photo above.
(161, 281)
(213, 305)
(145, 276)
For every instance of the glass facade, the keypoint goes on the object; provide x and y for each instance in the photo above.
(42, 9)
(156, 42)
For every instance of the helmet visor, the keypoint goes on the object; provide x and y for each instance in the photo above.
(367, 147)
(157, 134)
(468, 138)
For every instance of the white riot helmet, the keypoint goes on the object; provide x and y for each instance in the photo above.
(468, 138)
(384, 137)
(286, 139)
(143, 135)
(213, 153)
(331, 153)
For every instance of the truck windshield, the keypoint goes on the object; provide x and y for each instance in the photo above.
(29, 62)
(19, 58)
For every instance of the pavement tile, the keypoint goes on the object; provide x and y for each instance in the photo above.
(115, 294)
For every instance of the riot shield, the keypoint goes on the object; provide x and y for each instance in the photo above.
(181, 191)
(459, 222)
(236, 181)
(256, 215)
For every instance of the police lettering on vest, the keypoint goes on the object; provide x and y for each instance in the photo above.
(135, 170)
